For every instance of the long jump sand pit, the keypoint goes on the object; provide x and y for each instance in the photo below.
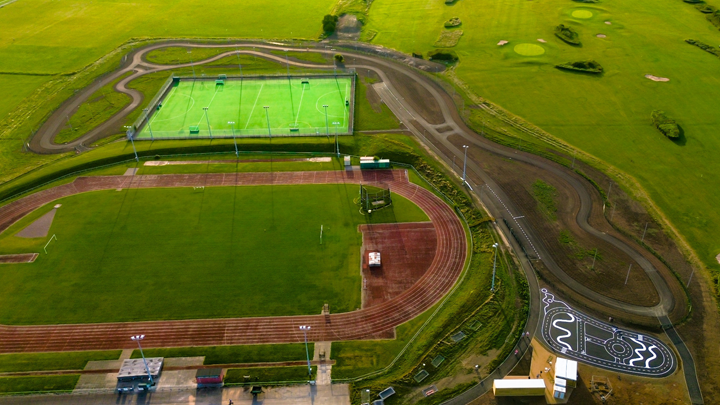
(18, 258)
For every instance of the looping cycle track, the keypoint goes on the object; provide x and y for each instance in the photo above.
(439, 279)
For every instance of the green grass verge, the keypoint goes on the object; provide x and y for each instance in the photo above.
(313, 57)
(176, 55)
(21, 385)
(208, 233)
(608, 115)
(101, 105)
(546, 196)
(15, 362)
(366, 118)
(235, 354)
(268, 375)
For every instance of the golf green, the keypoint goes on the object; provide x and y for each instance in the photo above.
(582, 14)
(180, 253)
(252, 107)
(529, 49)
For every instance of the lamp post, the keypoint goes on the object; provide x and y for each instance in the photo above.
(492, 287)
(138, 338)
(147, 117)
(130, 135)
(465, 163)
(305, 329)
(232, 126)
(207, 119)
(191, 63)
(327, 128)
(337, 145)
(267, 116)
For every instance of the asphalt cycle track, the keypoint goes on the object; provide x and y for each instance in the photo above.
(437, 137)
(439, 279)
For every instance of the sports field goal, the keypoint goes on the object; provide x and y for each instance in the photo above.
(227, 106)
(373, 199)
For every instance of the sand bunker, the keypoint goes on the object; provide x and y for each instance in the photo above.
(503, 42)
(601, 36)
(529, 49)
(608, 22)
(718, 258)
(657, 79)
(582, 14)
(541, 40)
(39, 228)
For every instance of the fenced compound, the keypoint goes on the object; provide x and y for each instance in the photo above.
(250, 106)
(371, 200)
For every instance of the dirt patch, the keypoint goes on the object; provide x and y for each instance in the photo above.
(417, 96)
(407, 250)
(18, 258)
(131, 171)
(370, 94)
(348, 28)
(657, 78)
(39, 228)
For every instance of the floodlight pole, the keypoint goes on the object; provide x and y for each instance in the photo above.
(138, 338)
(306, 328)
(327, 128)
(147, 117)
(465, 163)
(208, 120)
(239, 63)
(492, 286)
(232, 126)
(267, 116)
(133, 143)
(287, 64)
(337, 145)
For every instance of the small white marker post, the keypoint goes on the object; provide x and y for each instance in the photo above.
(321, 231)
(46, 245)
(628, 274)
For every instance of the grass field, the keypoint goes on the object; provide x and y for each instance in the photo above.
(293, 105)
(608, 115)
(226, 252)
(53, 361)
(235, 354)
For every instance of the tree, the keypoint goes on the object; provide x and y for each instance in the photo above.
(339, 58)
(329, 23)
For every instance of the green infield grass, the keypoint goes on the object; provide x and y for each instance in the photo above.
(55, 383)
(15, 362)
(203, 108)
(608, 115)
(234, 354)
(180, 253)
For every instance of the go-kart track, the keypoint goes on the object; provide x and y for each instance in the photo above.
(586, 339)
(362, 324)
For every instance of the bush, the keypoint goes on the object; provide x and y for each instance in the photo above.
(339, 58)
(453, 22)
(586, 66)
(418, 55)
(329, 23)
(665, 124)
(567, 34)
(705, 8)
(714, 18)
(704, 47)
(447, 55)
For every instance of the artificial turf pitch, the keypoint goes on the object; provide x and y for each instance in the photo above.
(179, 253)
(295, 107)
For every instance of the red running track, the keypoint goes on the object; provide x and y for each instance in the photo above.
(365, 323)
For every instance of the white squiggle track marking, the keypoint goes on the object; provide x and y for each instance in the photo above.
(637, 352)
(654, 356)
(568, 333)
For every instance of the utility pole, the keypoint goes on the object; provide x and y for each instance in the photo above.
(192, 63)
(628, 274)
(492, 287)
(130, 137)
(267, 116)
(465, 164)
(232, 127)
(207, 119)
(594, 257)
(138, 338)
(305, 329)
(643, 237)
(147, 117)
(327, 128)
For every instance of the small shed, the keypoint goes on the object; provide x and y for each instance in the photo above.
(134, 369)
(512, 387)
(374, 259)
(209, 376)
